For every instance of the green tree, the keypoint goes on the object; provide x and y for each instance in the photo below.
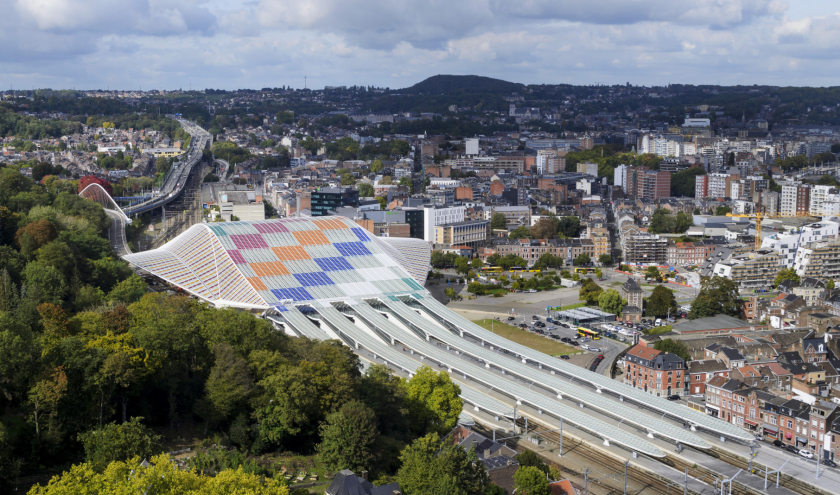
(348, 179)
(129, 290)
(653, 273)
(718, 295)
(122, 442)
(520, 232)
(475, 288)
(528, 458)
(582, 259)
(599, 274)
(498, 221)
(722, 210)
(161, 477)
(674, 347)
(386, 181)
(348, 438)
(450, 292)
(829, 284)
(589, 291)
(531, 481)
(376, 166)
(569, 226)
(366, 190)
(683, 183)
(611, 302)
(786, 274)
(433, 401)
(383, 392)
(285, 117)
(660, 302)
(431, 466)
(476, 264)
(462, 264)
(545, 228)
(229, 385)
(605, 259)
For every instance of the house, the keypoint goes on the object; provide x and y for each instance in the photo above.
(498, 459)
(748, 375)
(701, 371)
(347, 483)
(634, 294)
(562, 487)
(723, 402)
(656, 372)
(732, 358)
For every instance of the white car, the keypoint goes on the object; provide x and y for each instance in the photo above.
(584, 347)
(806, 454)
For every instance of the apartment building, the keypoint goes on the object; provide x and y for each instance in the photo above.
(819, 259)
(434, 216)
(752, 270)
(700, 372)
(588, 168)
(513, 214)
(689, 253)
(656, 372)
(818, 197)
(653, 184)
(531, 249)
(787, 244)
(645, 248)
(468, 233)
(795, 199)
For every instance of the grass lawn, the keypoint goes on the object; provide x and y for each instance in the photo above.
(658, 330)
(528, 339)
(570, 306)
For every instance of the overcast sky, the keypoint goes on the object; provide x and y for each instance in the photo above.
(171, 44)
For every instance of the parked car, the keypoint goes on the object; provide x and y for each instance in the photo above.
(778, 443)
(829, 463)
(759, 437)
(791, 448)
(673, 397)
(535, 317)
(564, 356)
(584, 346)
(622, 339)
(511, 318)
(806, 454)
(531, 291)
(658, 322)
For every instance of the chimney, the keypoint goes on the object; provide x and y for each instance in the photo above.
(364, 475)
(486, 453)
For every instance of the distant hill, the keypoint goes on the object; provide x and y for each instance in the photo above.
(446, 84)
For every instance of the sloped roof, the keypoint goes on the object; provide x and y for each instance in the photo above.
(261, 264)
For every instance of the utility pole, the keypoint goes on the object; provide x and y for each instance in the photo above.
(586, 481)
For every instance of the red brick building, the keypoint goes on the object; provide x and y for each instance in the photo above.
(656, 372)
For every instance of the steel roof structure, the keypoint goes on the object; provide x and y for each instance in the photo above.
(270, 263)
(600, 382)
(562, 387)
(522, 394)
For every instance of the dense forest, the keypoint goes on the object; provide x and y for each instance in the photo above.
(96, 370)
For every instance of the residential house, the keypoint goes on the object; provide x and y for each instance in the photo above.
(655, 372)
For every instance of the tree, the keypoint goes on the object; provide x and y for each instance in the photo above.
(683, 183)
(348, 438)
(161, 477)
(717, 295)
(545, 228)
(285, 117)
(786, 274)
(121, 442)
(433, 401)
(605, 259)
(582, 260)
(462, 264)
(366, 190)
(376, 166)
(348, 179)
(475, 288)
(229, 385)
(829, 284)
(660, 302)
(498, 221)
(528, 458)
(520, 232)
(674, 347)
(598, 273)
(683, 222)
(531, 481)
(590, 291)
(92, 179)
(432, 466)
(129, 290)
(569, 226)
(611, 302)
(386, 181)
(450, 292)
(722, 210)
(476, 264)
(653, 273)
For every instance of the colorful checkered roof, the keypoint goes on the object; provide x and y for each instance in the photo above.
(263, 264)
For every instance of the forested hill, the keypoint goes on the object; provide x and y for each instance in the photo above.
(445, 84)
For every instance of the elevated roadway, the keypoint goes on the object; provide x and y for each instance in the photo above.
(176, 180)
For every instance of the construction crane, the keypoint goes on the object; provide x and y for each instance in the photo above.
(760, 216)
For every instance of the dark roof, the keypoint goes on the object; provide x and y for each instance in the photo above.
(789, 357)
(631, 286)
(630, 309)
(732, 354)
(786, 285)
(706, 366)
(347, 483)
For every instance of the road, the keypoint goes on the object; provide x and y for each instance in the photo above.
(116, 233)
(177, 178)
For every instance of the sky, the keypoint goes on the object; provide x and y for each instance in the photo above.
(231, 44)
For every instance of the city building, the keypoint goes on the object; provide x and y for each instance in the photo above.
(467, 233)
(787, 244)
(434, 216)
(632, 293)
(654, 185)
(240, 205)
(819, 259)
(755, 270)
(656, 372)
(795, 199)
(327, 199)
(645, 248)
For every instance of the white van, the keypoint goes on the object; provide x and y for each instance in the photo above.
(658, 322)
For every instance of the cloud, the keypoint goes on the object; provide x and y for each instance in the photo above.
(255, 43)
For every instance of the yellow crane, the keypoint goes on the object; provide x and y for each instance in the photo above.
(759, 216)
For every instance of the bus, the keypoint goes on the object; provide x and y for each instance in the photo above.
(585, 332)
(583, 270)
(491, 269)
(534, 270)
(517, 269)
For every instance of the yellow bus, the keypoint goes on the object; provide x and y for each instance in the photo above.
(592, 334)
(583, 270)
(535, 270)
(491, 269)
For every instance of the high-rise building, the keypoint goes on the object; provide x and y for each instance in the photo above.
(472, 146)
(701, 186)
(330, 198)
(654, 185)
(818, 197)
(434, 216)
(796, 199)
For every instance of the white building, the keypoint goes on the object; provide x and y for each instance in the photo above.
(818, 198)
(620, 176)
(435, 215)
(717, 185)
(786, 244)
(472, 146)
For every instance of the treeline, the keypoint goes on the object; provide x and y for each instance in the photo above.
(29, 127)
(610, 156)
